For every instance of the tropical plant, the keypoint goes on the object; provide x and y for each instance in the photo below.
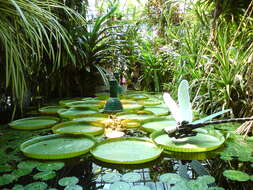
(27, 30)
(155, 69)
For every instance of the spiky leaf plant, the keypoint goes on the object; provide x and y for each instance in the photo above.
(27, 30)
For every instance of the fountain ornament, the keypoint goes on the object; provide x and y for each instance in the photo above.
(113, 104)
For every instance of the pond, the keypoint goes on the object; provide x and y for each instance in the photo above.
(228, 167)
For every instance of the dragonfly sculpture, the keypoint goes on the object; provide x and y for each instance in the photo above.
(183, 114)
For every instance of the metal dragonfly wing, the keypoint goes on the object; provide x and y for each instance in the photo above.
(183, 114)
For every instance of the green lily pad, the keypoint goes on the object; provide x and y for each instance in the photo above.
(36, 185)
(101, 118)
(7, 179)
(51, 110)
(157, 124)
(73, 187)
(196, 185)
(34, 123)
(131, 177)
(76, 112)
(199, 143)
(236, 175)
(28, 164)
(50, 166)
(64, 102)
(171, 178)
(66, 181)
(78, 128)
(206, 179)
(137, 96)
(5, 168)
(57, 146)
(132, 107)
(127, 101)
(83, 104)
(120, 186)
(21, 172)
(158, 111)
(130, 123)
(46, 175)
(18, 187)
(135, 115)
(111, 177)
(149, 102)
(140, 187)
(126, 151)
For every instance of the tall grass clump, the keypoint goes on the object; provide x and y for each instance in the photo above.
(214, 60)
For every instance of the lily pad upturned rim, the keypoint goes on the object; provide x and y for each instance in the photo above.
(58, 126)
(70, 116)
(136, 97)
(101, 158)
(25, 127)
(156, 119)
(84, 104)
(140, 113)
(54, 156)
(174, 148)
(131, 123)
(64, 101)
(165, 110)
(132, 107)
(46, 110)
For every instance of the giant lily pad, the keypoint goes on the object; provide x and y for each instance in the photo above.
(149, 102)
(157, 124)
(137, 96)
(131, 107)
(99, 117)
(66, 101)
(126, 151)
(102, 95)
(83, 104)
(57, 146)
(140, 116)
(76, 112)
(78, 128)
(34, 123)
(199, 143)
(51, 110)
(158, 111)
